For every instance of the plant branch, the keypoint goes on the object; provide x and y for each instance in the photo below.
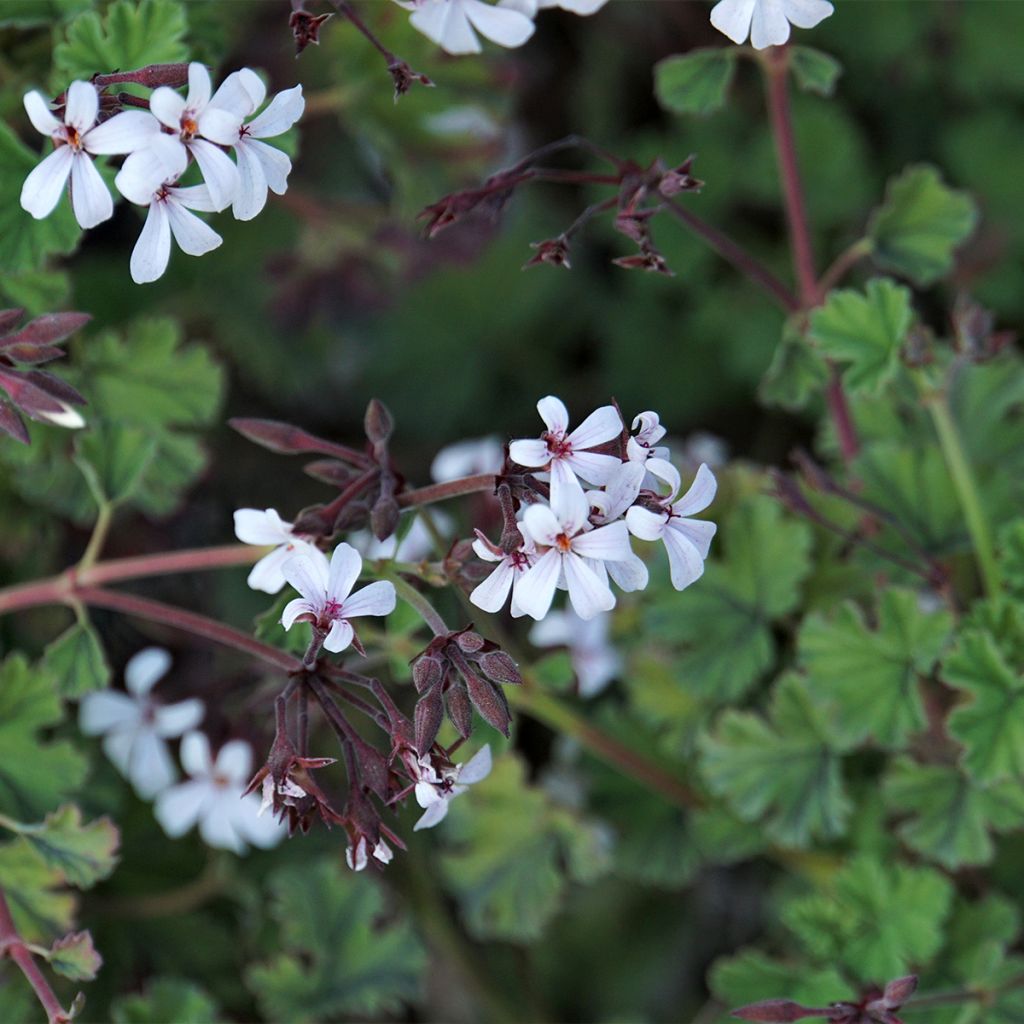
(449, 489)
(843, 263)
(12, 945)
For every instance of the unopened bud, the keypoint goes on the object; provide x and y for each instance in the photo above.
(378, 422)
(426, 673)
(384, 517)
(428, 717)
(460, 711)
(497, 665)
(469, 641)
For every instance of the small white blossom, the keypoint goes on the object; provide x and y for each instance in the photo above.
(766, 21)
(565, 453)
(78, 139)
(327, 600)
(212, 797)
(642, 447)
(255, 527)
(135, 727)
(493, 592)
(451, 23)
(357, 857)
(687, 541)
(260, 167)
(467, 458)
(594, 660)
(571, 549)
(436, 790)
(611, 504)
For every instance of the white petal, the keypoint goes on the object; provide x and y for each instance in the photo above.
(483, 455)
(666, 472)
(194, 197)
(240, 93)
(554, 414)
(630, 574)
(541, 524)
(163, 159)
(768, 26)
(178, 809)
(601, 425)
(276, 165)
(645, 524)
(733, 18)
(346, 565)
(588, 594)
(266, 574)
(217, 827)
(568, 502)
(807, 13)
(427, 795)
(123, 133)
(300, 606)
(194, 236)
(622, 488)
(432, 816)
(445, 23)
(153, 249)
(167, 106)
(262, 832)
(234, 761)
(150, 769)
(173, 720)
(596, 468)
(145, 669)
(68, 416)
(253, 526)
(532, 452)
(284, 110)
(89, 196)
(535, 589)
(478, 767)
(118, 748)
(376, 599)
(607, 543)
(500, 25)
(595, 669)
(339, 636)
(701, 493)
(39, 113)
(83, 104)
(220, 126)
(198, 87)
(697, 531)
(251, 196)
(493, 592)
(308, 575)
(44, 185)
(685, 562)
(195, 754)
(107, 711)
(554, 630)
(581, 7)
(219, 173)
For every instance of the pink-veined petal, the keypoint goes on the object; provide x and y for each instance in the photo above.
(665, 472)
(167, 106)
(83, 104)
(150, 768)
(733, 18)
(621, 491)
(220, 126)
(492, 593)
(45, 183)
(588, 593)
(284, 110)
(234, 761)
(535, 589)
(275, 164)
(39, 113)
(645, 524)
(179, 808)
(697, 531)
(194, 236)
(145, 669)
(700, 495)
(266, 575)
(541, 524)
(90, 198)
(346, 565)
(568, 502)
(501, 25)
(240, 93)
(219, 173)
(299, 606)
(768, 27)
(607, 543)
(153, 249)
(194, 197)
(123, 133)
(554, 414)
(529, 452)
(217, 826)
(433, 815)
(685, 562)
(195, 754)
(630, 574)
(477, 768)
(339, 636)
(108, 711)
(173, 720)
(376, 599)
(601, 425)
(146, 170)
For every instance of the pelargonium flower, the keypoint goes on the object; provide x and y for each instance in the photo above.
(135, 727)
(451, 23)
(327, 600)
(506, 578)
(643, 447)
(213, 798)
(78, 139)
(687, 541)
(766, 21)
(199, 126)
(565, 453)
(169, 215)
(435, 790)
(260, 167)
(595, 661)
(255, 527)
(561, 529)
(357, 853)
(608, 506)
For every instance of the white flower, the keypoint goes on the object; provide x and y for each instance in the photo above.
(435, 791)
(493, 592)
(560, 529)
(169, 215)
(327, 599)
(255, 527)
(467, 458)
(531, 7)
(78, 138)
(135, 727)
(766, 21)
(199, 127)
(212, 796)
(451, 23)
(687, 541)
(566, 453)
(357, 857)
(611, 504)
(260, 167)
(594, 661)
(643, 447)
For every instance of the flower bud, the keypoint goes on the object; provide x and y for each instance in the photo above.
(378, 422)
(469, 641)
(460, 711)
(427, 673)
(384, 517)
(500, 668)
(427, 718)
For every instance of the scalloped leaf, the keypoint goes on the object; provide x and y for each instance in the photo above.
(75, 957)
(77, 661)
(83, 853)
(695, 82)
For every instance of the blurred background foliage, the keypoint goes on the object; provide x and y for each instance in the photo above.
(582, 898)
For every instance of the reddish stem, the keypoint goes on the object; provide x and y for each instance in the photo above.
(450, 489)
(12, 945)
(173, 75)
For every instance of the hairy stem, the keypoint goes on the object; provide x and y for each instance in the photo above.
(449, 489)
(12, 945)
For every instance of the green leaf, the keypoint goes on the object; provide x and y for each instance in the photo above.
(130, 36)
(36, 291)
(77, 661)
(510, 848)
(720, 631)
(695, 82)
(166, 999)
(340, 957)
(797, 373)
(877, 920)
(116, 458)
(34, 776)
(991, 724)
(950, 815)
(864, 330)
(922, 221)
(813, 70)
(83, 854)
(39, 902)
(75, 957)
(780, 769)
(25, 243)
(866, 680)
(750, 976)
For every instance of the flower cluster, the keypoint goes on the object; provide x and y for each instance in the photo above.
(159, 145)
(603, 484)
(135, 730)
